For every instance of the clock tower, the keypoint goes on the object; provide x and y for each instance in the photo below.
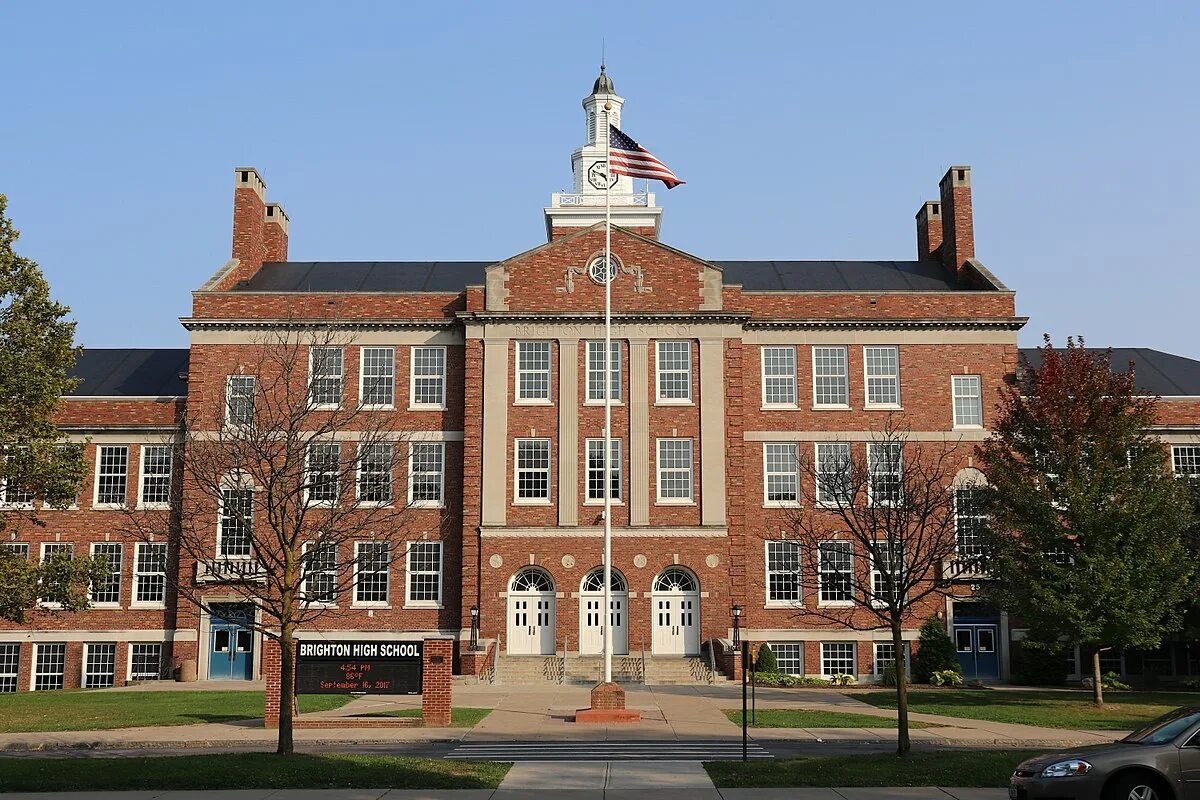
(584, 205)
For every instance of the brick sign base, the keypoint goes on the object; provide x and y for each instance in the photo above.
(608, 706)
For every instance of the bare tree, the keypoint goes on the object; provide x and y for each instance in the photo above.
(877, 539)
(283, 477)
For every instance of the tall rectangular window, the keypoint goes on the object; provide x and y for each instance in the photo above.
(112, 475)
(428, 378)
(49, 666)
(235, 532)
(833, 474)
(378, 381)
(533, 371)
(108, 591)
(18, 549)
(320, 573)
(781, 473)
(145, 661)
(533, 470)
(326, 370)
(783, 572)
(1185, 460)
(595, 370)
(595, 470)
(424, 573)
(675, 372)
(156, 475)
(99, 665)
(12, 493)
(240, 392)
(150, 574)
(375, 461)
(831, 382)
(837, 658)
(779, 376)
(887, 562)
(885, 462)
(675, 471)
(426, 467)
(970, 519)
(882, 367)
(51, 550)
(789, 656)
(885, 656)
(372, 561)
(835, 567)
(968, 401)
(10, 665)
(324, 473)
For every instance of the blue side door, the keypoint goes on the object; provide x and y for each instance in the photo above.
(231, 645)
(978, 653)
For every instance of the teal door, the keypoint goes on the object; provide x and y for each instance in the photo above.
(231, 643)
(977, 650)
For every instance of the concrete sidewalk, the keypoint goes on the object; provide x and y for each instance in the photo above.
(608, 793)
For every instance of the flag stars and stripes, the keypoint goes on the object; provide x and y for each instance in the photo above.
(627, 157)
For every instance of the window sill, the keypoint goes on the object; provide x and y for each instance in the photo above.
(319, 605)
(153, 506)
(836, 604)
(968, 427)
(320, 504)
(883, 407)
(783, 504)
(107, 506)
(600, 503)
(600, 403)
(426, 504)
(520, 402)
(424, 606)
(326, 407)
(377, 407)
(675, 502)
(370, 605)
(532, 502)
(426, 407)
(780, 407)
(786, 604)
(16, 506)
(832, 408)
(666, 401)
(106, 606)
(374, 503)
(147, 606)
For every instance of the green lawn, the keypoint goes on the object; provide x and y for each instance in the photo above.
(984, 768)
(800, 718)
(1122, 711)
(245, 771)
(459, 717)
(83, 710)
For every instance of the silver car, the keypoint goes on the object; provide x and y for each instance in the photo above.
(1158, 762)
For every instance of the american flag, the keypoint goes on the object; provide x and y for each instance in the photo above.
(627, 157)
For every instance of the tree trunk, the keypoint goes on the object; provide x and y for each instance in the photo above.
(1097, 683)
(287, 688)
(903, 742)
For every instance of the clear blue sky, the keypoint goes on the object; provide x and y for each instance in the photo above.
(439, 130)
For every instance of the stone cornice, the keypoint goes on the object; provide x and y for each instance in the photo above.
(575, 318)
(198, 323)
(893, 323)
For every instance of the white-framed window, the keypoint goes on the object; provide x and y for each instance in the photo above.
(675, 471)
(377, 381)
(427, 378)
(831, 381)
(783, 572)
(970, 518)
(240, 394)
(888, 560)
(595, 370)
(326, 370)
(835, 573)
(49, 666)
(424, 574)
(150, 574)
(12, 493)
(99, 665)
(789, 656)
(779, 377)
(324, 465)
(372, 565)
(885, 462)
(426, 474)
(50, 550)
(375, 462)
(112, 475)
(18, 549)
(1185, 460)
(10, 666)
(885, 656)
(533, 372)
(532, 474)
(236, 523)
(145, 661)
(595, 470)
(833, 474)
(320, 573)
(781, 473)
(674, 373)
(155, 489)
(837, 658)
(881, 365)
(968, 401)
(108, 591)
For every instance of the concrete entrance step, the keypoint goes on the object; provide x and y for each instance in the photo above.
(587, 670)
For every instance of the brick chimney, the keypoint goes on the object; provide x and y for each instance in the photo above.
(275, 233)
(929, 231)
(958, 228)
(260, 229)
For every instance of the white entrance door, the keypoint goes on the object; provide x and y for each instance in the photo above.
(531, 613)
(675, 606)
(591, 621)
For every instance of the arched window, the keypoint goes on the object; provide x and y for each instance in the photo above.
(675, 579)
(594, 581)
(532, 579)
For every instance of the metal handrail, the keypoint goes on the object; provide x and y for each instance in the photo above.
(562, 676)
(643, 661)
(496, 661)
(712, 664)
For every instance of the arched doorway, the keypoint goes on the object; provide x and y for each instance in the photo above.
(591, 620)
(531, 613)
(675, 604)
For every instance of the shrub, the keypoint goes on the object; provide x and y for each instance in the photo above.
(889, 675)
(841, 679)
(766, 660)
(1038, 665)
(1111, 680)
(1191, 684)
(936, 652)
(787, 681)
(946, 677)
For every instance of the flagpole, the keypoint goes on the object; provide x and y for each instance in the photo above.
(608, 615)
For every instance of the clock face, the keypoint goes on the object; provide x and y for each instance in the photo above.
(598, 272)
(599, 177)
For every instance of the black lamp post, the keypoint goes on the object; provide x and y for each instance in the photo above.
(736, 610)
(474, 627)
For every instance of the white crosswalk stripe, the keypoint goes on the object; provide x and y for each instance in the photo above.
(672, 750)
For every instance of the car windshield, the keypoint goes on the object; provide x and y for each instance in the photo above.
(1166, 728)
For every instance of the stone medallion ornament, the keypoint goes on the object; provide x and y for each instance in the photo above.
(568, 561)
(639, 561)
(496, 561)
(713, 560)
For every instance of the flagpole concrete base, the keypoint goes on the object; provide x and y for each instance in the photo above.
(608, 706)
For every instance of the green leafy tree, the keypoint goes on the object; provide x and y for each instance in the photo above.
(766, 660)
(936, 652)
(60, 583)
(1089, 534)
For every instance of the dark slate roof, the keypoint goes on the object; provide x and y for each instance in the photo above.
(603, 84)
(131, 372)
(834, 276)
(1156, 372)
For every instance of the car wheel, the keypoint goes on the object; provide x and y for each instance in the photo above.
(1137, 787)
